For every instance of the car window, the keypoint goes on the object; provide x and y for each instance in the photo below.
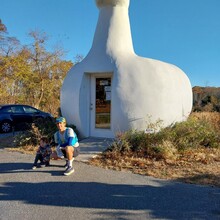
(6, 109)
(17, 109)
(28, 109)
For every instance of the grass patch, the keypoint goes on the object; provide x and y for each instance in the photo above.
(188, 151)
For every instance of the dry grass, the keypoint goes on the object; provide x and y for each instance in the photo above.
(213, 117)
(200, 165)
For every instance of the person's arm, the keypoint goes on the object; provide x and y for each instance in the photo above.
(71, 140)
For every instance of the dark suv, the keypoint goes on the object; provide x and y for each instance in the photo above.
(14, 115)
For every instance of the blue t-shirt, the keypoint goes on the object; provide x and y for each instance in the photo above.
(68, 138)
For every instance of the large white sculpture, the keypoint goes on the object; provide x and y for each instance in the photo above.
(140, 88)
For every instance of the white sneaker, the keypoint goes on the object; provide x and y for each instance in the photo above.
(69, 171)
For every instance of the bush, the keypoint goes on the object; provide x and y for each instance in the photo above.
(40, 127)
(167, 142)
(140, 143)
(194, 133)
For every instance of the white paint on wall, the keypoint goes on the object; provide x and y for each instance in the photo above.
(141, 87)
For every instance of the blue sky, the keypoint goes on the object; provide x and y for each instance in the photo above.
(185, 33)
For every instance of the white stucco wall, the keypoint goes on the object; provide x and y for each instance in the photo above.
(141, 87)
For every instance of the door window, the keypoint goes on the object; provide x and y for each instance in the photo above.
(103, 103)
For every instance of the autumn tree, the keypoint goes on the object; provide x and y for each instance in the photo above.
(3, 30)
(9, 46)
(48, 71)
(33, 74)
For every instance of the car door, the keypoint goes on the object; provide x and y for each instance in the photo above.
(18, 115)
(32, 113)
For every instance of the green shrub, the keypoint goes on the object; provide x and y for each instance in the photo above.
(140, 143)
(167, 142)
(194, 133)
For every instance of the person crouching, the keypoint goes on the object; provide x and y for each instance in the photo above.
(67, 144)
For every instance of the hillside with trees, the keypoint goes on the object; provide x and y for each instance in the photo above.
(206, 99)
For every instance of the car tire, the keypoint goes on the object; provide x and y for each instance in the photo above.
(6, 126)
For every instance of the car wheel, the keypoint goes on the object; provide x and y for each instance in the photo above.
(6, 126)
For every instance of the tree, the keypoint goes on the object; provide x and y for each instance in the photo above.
(3, 29)
(48, 71)
(8, 48)
(33, 75)
(8, 45)
(42, 85)
(14, 72)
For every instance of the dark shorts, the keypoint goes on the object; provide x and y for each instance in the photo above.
(75, 153)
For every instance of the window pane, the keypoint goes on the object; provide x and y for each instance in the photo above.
(103, 103)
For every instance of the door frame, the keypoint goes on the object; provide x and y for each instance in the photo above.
(98, 132)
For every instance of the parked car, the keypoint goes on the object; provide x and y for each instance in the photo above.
(14, 115)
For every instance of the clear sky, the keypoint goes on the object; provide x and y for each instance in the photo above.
(185, 33)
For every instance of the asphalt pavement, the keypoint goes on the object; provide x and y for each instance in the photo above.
(91, 147)
(96, 193)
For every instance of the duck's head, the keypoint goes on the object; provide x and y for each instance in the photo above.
(103, 3)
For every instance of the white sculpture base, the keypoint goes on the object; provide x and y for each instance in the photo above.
(143, 90)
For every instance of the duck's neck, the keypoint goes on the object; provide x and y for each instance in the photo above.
(113, 33)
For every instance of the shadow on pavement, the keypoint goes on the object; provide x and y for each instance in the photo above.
(27, 168)
(12, 167)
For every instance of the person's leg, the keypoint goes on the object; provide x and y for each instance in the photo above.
(76, 151)
(37, 157)
(69, 154)
(41, 158)
(43, 163)
(46, 161)
(65, 157)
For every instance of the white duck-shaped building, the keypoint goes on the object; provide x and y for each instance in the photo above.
(113, 90)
